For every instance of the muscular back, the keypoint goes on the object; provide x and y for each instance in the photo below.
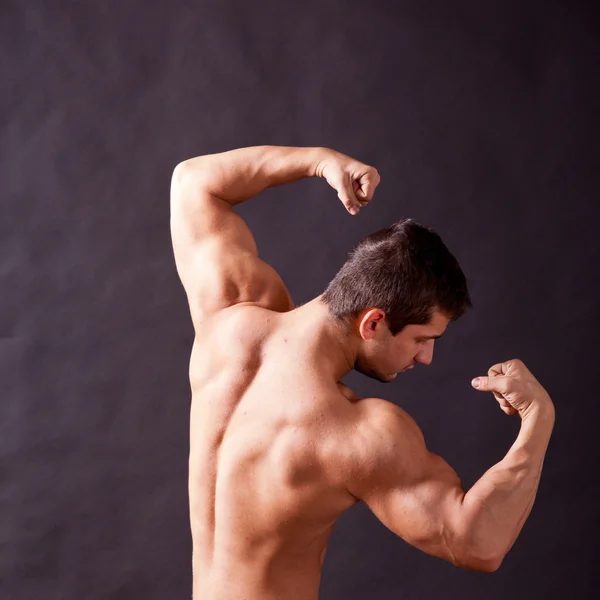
(267, 452)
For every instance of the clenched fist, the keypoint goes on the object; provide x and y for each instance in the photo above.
(514, 387)
(354, 181)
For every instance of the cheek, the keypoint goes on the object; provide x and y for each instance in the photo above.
(414, 351)
(404, 354)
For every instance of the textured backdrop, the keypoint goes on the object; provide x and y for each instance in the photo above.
(482, 119)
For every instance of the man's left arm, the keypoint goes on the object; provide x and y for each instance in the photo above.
(215, 252)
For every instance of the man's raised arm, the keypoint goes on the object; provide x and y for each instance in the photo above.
(215, 252)
(238, 175)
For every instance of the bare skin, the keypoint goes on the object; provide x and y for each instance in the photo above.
(279, 447)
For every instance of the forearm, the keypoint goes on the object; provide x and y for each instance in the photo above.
(496, 507)
(238, 175)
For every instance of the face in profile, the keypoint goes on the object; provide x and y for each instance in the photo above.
(382, 356)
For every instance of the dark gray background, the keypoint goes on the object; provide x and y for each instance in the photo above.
(481, 118)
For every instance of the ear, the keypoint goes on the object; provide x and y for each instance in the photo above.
(370, 321)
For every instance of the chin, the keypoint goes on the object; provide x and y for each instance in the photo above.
(389, 378)
(382, 378)
(369, 371)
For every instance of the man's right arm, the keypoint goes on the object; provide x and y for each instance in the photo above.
(418, 496)
(498, 504)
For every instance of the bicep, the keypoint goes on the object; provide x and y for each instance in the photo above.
(425, 511)
(216, 254)
(415, 493)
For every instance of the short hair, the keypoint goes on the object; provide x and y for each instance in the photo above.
(406, 271)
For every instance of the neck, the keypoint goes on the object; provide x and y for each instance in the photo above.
(335, 349)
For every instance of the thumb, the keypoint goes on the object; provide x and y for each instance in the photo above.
(362, 194)
(365, 188)
(491, 384)
(347, 194)
(349, 201)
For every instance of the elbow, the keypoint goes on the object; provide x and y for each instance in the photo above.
(477, 553)
(184, 176)
(180, 170)
(196, 166)
(485, 563)
(176, 178)
(191, 174)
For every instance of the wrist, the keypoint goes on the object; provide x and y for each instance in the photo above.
(540, 411)
(319, 158)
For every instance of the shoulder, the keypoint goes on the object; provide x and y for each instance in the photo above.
(384, 417)
(231, 338)
(241, 323)
(384, 439)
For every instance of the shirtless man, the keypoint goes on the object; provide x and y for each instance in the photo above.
(279, 447)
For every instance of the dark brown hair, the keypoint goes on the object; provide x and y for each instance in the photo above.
(406, 271)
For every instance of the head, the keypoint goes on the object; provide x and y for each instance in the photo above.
(396, 293)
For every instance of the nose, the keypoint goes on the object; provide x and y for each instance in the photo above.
(425, 356)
